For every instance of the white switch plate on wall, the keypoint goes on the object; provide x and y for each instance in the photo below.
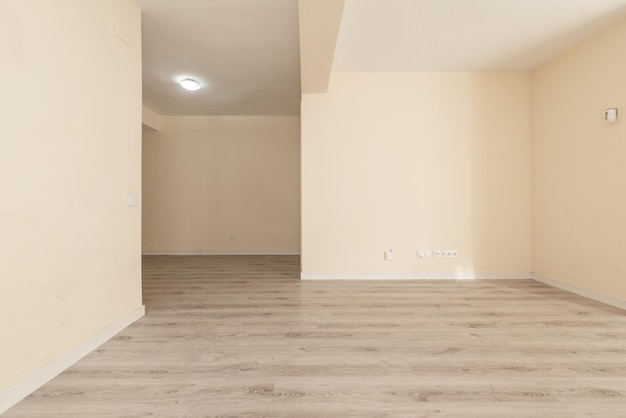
(424, 254)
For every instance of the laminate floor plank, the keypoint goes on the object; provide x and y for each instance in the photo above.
(242, 336)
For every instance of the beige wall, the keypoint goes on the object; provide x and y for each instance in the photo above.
(150, 120)
(319, 22)
(409, 161)
(207, 178)
(578, 165)
(70, 151)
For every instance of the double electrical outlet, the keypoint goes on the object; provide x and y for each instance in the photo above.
(437, 253)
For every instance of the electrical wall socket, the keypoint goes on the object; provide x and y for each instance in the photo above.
(389, 255)
(446, 253)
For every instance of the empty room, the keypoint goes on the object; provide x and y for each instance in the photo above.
(313, 208)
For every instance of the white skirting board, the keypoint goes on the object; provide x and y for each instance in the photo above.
(19, 391)
(415, 276)
(220, 252)
(609, 300)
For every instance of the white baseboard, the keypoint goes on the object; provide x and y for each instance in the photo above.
(221, 252)
(415, 276)
(599, 297)
(19, 391)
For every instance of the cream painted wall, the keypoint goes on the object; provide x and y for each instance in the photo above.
(578, 164)
(319, 22)
(409, 161)
(150, 120)
(70, 151)
(207, 178)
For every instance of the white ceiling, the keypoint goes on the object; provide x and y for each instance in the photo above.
(246, 52)
(465, 35)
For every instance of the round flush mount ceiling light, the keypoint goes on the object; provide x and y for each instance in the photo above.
(190, 84)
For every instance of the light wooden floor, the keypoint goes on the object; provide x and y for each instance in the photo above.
(243, 337)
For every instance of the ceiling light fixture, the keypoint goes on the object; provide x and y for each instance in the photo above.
(190, 84)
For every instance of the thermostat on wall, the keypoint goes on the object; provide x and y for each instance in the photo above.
(610, 115)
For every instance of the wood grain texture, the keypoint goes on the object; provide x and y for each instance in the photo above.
(241, 336)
